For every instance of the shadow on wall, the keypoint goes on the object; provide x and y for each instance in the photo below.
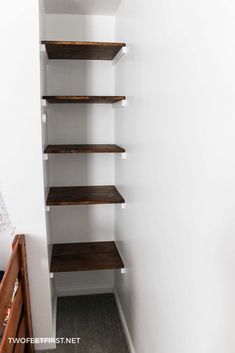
(100, 7)
(6, 235)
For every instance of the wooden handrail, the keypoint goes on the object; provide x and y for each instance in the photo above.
(19, 320)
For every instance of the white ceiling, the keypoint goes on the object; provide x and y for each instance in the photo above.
(83, 7)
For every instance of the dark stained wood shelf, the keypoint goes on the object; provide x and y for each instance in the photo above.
(56, 149)
(64, 50)
(85, 257)
(83, 195)
(83, 99)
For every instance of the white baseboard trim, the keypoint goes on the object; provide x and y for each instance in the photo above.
(124, 324)
(54, 317)
(67, 292)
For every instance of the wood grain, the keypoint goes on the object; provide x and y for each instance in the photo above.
(8, 283)
(17, 268)
(64, 50)
(83, 149)
(12, 323)
(83, 195)
(19, 348)
(85, 257)
(25, 291)
(83, 99)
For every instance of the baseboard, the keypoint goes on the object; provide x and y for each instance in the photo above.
(67, 292)
(124, 324)
(54, 317)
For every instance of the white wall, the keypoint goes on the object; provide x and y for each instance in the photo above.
(177, 232)
(80, 124)
(81, 7)
(21, 172)
(6, 235)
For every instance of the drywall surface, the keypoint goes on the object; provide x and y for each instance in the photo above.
(88, 7)
(78, 27)
(84, 283)
(21, 174)
(80, 124)
(46, 177)
(176, 234)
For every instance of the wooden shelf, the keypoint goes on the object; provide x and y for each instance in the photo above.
(56, 149)
(60, 50)
(83, 99)
(83, 195)
(85, 257)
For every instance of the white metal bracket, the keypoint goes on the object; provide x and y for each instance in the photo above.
(119, 55)
(123, 206)
(45, 156)
(44, 54)
(121, 104)
(124, 155)
(48, 208)
(44, 118)
(51, 275)
(44, 103)
(123, 271)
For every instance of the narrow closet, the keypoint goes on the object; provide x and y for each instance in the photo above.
(78, 58)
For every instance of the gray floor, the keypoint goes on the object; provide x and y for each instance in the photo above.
(93, 318)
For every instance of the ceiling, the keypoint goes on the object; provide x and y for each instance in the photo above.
(83, 7)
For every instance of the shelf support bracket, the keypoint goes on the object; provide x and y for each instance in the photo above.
(44, 118)
(119, 55)
(51, 275)
(123, 271)
(48, 209)
(45, 157)
(44, 54)
(124, 155)
(44, 103)
(121, 104)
